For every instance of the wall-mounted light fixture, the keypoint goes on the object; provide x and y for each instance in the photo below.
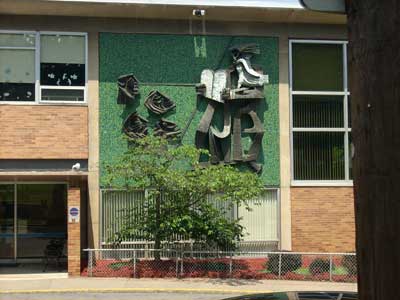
(199, 12)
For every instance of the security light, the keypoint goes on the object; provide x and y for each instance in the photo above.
(333, 6)
(199, 12)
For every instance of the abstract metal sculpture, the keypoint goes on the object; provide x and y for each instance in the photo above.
(158, 103)
(135, 126)
(128, 88)
(166, 129)
(243, 85)
(257, 130)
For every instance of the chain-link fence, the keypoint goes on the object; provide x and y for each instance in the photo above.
(150, 263)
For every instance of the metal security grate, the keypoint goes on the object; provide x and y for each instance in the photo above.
(261, 222)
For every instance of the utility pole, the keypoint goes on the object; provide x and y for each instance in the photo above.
(374, 77)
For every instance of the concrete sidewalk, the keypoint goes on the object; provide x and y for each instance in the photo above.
(226, 286)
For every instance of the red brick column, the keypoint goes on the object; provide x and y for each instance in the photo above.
(74, 234)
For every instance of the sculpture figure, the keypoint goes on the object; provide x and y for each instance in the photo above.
(128, 88)
(135, 126)
(158, 103)
(243, 84)
(166, 129)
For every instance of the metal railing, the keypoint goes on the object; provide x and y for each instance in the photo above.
(142, 263)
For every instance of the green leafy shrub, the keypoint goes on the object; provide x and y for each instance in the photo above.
(216, 266)
(289, 263)
(177, 188)
(319, 266)
(350, 263)
(120, 264)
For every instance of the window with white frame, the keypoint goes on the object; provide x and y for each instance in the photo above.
(43, 67)
(320, 115)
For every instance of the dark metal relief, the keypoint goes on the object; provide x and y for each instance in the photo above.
(128, 89)
(166, 129)
(158, 103)
(136, 126)
(239, 90)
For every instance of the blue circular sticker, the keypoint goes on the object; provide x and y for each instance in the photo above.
(74, 211)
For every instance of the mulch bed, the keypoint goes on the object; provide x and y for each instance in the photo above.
(247, 268)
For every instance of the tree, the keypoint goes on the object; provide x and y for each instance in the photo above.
(178, 189)
(374, 64)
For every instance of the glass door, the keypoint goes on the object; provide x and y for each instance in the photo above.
(41, 218)
(7, 223)
(32, 218)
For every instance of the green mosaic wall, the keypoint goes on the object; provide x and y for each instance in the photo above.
(172, 64)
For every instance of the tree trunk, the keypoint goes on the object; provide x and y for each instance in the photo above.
(374, 74)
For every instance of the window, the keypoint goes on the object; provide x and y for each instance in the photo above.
(38, 67)
(320, 115)
(17, 67)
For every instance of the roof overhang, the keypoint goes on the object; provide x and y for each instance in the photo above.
(216, 10)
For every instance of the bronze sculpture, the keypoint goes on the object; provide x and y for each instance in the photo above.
(135, 126)
(128, 88)
(166, 129)
(158, 103)
(243, 85)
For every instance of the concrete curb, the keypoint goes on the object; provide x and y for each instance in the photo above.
(135, 290)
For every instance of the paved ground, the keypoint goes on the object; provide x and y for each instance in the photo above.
(50, 284)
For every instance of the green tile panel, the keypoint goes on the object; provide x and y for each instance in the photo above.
(172, 64)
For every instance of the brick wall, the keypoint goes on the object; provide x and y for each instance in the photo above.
(43, 132)
(323, 219)
(74, 235)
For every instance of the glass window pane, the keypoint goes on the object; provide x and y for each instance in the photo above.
(17, 39)
(17, 75)
(62, 95)
(317, 67)
(55, 74)
(351, 155)
(318, 111)
(349, 110)
(62, 60)
(17, 66)
(67, 49)
(7, 221)
(17, 92)
(318, 155)
(41, 218)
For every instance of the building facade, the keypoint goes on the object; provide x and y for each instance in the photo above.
(61, 123)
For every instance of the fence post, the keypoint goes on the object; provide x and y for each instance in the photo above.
(230, 265)
(330, 267)
(182, 256)
(134, 263)
(177, 265)
(280, 266)
(90, 263)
